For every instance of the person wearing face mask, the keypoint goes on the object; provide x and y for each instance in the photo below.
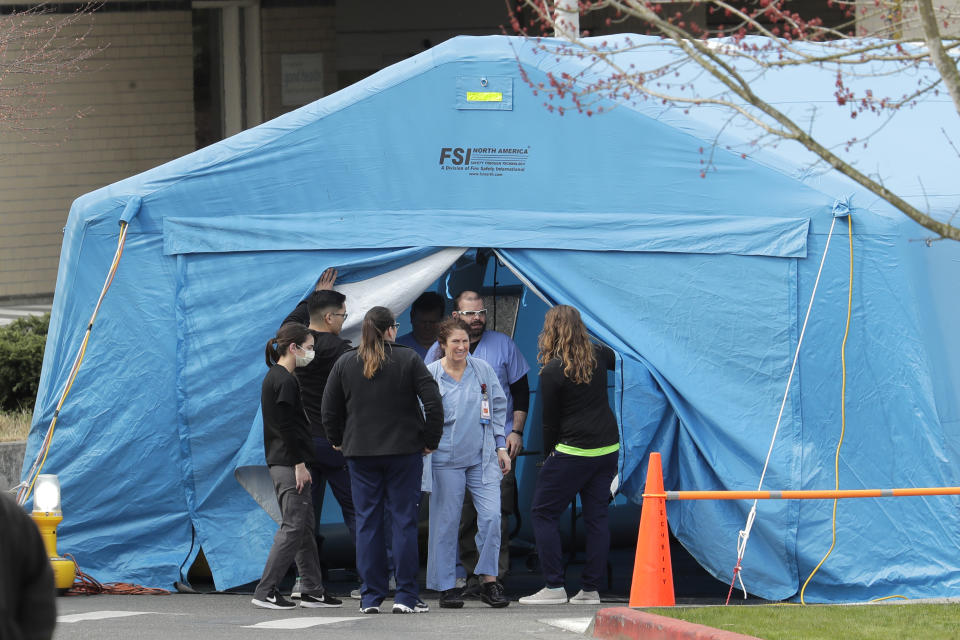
(472, 455)
(500, 352)
(288, 449)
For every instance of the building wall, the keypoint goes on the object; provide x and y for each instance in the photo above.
(375, 34)
(136, 96)
(290, 31)
(899, 20)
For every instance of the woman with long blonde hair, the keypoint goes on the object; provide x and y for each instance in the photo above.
(582, 441)
(371, 411)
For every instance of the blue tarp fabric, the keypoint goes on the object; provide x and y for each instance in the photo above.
(700, 284)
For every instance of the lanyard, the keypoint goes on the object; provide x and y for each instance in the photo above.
(484, 405)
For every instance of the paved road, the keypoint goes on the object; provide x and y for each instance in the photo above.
(11, 311)
(219, 616)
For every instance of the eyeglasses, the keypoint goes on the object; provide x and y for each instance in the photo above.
(396, 325)
(472, 314)
(304, 349)
(342, 315)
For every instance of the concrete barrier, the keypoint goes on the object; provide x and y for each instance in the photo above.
(11, 463)
(624, 623)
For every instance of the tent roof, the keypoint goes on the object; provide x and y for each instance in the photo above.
(383, 136)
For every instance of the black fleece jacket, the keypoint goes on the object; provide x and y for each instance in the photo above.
(382, 415)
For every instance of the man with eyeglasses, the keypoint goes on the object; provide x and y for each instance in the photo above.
(425, 315)
(500, 352)
(324, 311)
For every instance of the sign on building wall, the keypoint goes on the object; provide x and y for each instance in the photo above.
(301, 78)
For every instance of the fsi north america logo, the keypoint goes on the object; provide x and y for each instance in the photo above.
(493, 162)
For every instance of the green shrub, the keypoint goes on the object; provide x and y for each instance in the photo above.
(21, 357)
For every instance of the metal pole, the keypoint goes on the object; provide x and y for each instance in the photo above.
(808, 494)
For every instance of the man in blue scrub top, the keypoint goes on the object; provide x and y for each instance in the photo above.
(500, 352)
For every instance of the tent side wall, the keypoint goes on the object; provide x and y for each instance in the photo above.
(707, 327)
(116, 432)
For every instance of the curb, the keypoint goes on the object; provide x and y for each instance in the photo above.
(624, 623)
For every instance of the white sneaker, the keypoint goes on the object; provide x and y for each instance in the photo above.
(546, 596)
(586, 597)
(355, 594)
(419, 607)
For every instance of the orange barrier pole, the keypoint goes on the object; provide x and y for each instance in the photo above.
(806, 494)
(652, 571)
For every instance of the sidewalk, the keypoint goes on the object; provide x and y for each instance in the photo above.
(10, 310)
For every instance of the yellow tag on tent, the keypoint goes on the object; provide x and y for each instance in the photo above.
(484, 96)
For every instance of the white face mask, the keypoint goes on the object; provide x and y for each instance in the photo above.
(306, 358)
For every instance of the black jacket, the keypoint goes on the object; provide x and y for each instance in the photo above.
(286, 432)
(382, 415)
(578, 415)
(313, 377)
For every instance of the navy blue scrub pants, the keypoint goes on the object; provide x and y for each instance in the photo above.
(388, 484)
(561, 478)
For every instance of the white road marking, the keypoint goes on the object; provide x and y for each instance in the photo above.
(298, 623)
(576, 625)
(99, 615)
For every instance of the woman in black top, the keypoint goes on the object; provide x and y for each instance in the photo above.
(581, 438)
(371, 411)
(288, 447)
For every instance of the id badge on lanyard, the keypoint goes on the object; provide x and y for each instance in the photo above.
(484, 405)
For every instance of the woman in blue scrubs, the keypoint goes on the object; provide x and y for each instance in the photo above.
(472, 456)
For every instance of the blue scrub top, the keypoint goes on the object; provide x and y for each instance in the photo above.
(462, 442)
(501, 353)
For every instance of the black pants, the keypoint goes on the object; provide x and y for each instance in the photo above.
(561, 478)
(332, 467)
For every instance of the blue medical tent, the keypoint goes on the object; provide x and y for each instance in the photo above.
(701, 285)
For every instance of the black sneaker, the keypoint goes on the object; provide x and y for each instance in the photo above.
(316, 602)
(451, 599)
(274, 601)
(492, 594)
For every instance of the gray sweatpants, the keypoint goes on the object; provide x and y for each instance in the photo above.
(294, 540)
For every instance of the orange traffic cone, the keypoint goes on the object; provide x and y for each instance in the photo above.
(652, 572)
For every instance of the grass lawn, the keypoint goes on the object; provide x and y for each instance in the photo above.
(829, 622)
(14, 425)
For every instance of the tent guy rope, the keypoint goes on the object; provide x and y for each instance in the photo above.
(840, 209)
(26, 487)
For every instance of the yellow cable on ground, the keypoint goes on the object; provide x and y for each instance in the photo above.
(27, 487)
(843, 413)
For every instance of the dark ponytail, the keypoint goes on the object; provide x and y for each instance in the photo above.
(371, 351)
(290, 333)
